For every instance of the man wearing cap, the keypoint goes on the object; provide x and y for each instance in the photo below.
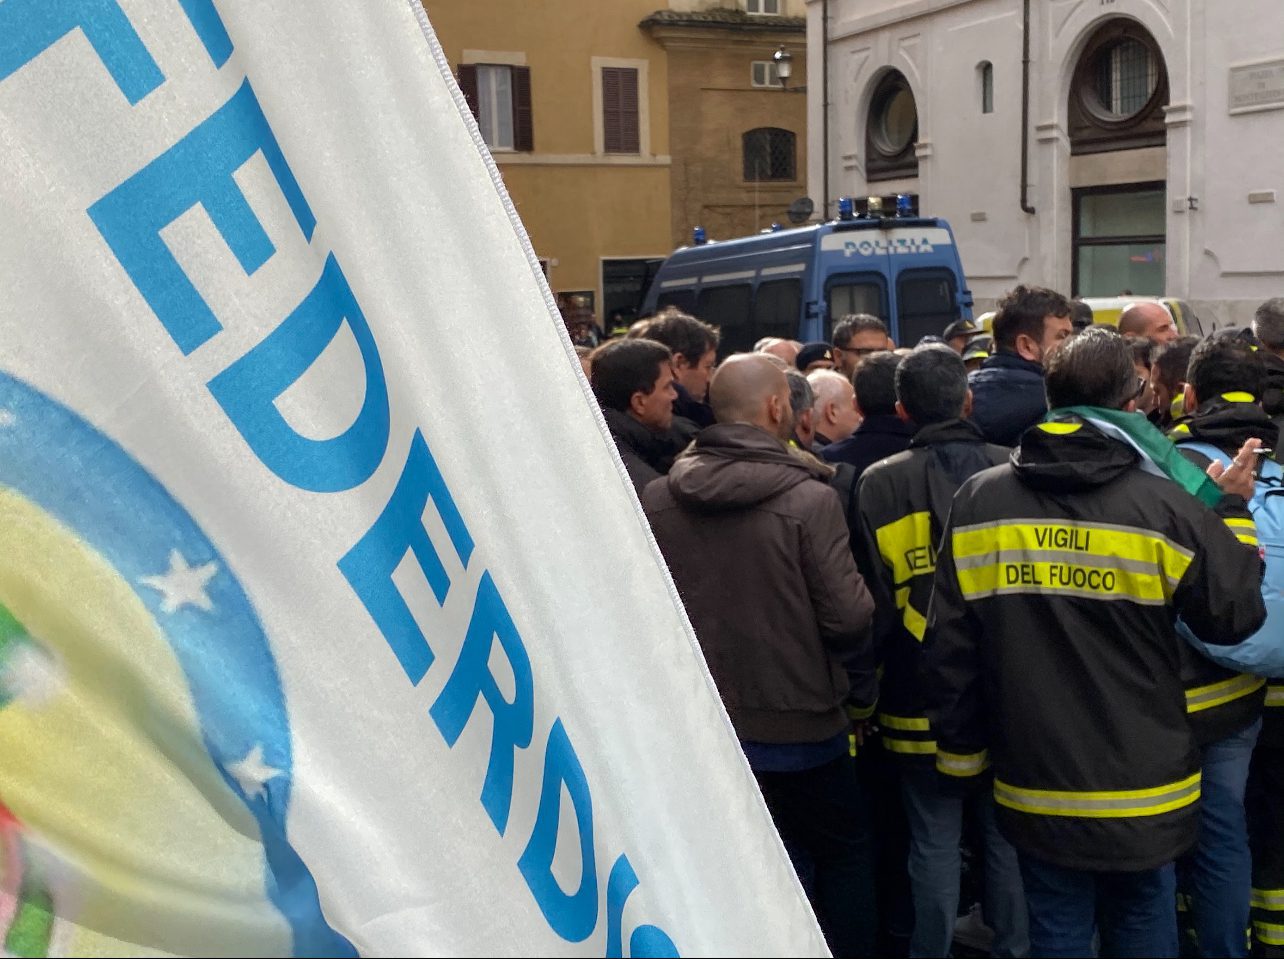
(815, 356)
(958, 333)
(977, 351)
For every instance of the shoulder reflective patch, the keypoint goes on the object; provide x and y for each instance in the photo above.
(1239, 397)
(1112, 804)
(1181, 428)
(1200, 698)
(1245, 529)
(1060, 429)
(962, 765)
(1068, 558)
(906, 547)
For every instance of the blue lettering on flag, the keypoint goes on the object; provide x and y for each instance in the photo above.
(197, 169)
(30, 27)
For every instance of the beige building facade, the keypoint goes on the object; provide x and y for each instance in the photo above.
(573, 100)
(619, 125)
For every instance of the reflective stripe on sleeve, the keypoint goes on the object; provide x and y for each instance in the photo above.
(1217, 694)
(1270, 933)
(1270, 899)
(962, 765)
(1275, 695)
(1123, 804)
(1245, 530)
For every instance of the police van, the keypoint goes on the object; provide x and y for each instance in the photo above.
(879, 256)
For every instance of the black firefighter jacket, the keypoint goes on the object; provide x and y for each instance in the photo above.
(903, 503)
(1051, 645)
(1220, 701)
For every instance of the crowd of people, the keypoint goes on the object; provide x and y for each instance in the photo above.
(991, 616)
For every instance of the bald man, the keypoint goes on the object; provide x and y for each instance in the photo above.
(834, 415)
(787, 350)
(758, 548)
(1149, 319)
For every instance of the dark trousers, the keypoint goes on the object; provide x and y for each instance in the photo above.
(1265, 803)
(822, 818)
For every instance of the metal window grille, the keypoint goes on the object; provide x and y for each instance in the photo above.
(769, 154)
(1126, 77)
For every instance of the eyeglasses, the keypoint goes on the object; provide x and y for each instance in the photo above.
(860, 350)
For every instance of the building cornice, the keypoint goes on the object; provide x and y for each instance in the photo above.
(851, 26)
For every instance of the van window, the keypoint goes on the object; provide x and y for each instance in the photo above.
(684, 300)
(854, 294)
(776, 308)
(926, 304)
(727, 307)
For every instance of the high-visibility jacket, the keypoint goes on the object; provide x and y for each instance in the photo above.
(1051, 649)
(1221, 701)
(903, 502)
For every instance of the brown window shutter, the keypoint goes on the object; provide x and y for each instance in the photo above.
(523, 124)
(620, 110)
(468, 86)
(611, 109)
(629, 138)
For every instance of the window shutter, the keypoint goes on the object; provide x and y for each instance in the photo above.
(611, 110)
(620, 110)
(523, 123)
(468, 86)
(629, 138)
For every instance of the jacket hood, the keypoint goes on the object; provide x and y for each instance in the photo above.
(1069, 454)
(736, 466)
(1227, 422)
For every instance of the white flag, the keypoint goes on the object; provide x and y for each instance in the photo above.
(328, 619)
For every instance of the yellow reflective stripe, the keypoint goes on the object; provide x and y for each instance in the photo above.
(1097, 560)
(910, 746)
(962, 764)
(1216, 694)
(1060, 429)
(1239, 396)
(1275, 695)
(1245, 530)
(1115, 804)
(904, 723)
(906, 547)
(915, 622)
(859, 713)
(1181, 427)
(1270, 899)
(1064, 579)
(1271, 933)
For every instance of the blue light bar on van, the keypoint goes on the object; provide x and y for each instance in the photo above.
(698, 237)
(907, 204)
(846, 208)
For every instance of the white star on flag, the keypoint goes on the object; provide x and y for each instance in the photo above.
(183, 585)
(252, 773)
(7, 418)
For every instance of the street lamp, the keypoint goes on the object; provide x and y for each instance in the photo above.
(784, 64)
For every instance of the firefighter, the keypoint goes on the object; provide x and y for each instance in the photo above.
(904, 502)
(1052, 652)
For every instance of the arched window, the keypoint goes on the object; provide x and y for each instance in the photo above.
(891, 129)
(1119, 90)
(768, 154)
(986, 72)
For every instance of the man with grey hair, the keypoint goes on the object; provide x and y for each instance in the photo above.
(904, 502)
(787, 350)
(801, 399)
(1268, 327)
(834, 415)
(756, 544)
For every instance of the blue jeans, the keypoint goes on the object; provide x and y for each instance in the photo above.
(1218, 872)
(936, 829)
(1135, 912)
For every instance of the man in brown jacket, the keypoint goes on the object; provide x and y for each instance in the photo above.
(757, 544)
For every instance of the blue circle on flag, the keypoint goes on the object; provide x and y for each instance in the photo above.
(87, 482)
